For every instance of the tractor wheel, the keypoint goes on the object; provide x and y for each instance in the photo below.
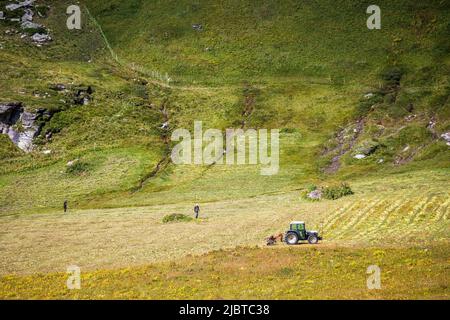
(291, 238)
(312, 239)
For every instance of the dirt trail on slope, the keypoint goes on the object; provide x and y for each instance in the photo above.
(343, 147)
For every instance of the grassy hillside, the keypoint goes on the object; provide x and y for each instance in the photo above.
(267, 40)
(306, 68)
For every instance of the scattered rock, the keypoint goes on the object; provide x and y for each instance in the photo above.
(58, 87)
(360, 156)
(197, 27)
(30, 25)
(23, 4)
(446, 137)
(28, 15)
(83, 95)
(366, 147)
(47, 152)
(41, 38)
(315, 195)
(369, 95)
(12, 7)
(405, 149)
(10, 31)
(26, 21)
(2, 15)
(71, 163)
(345, 140)
(380, 161)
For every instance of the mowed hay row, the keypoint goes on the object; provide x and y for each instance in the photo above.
(389, 219)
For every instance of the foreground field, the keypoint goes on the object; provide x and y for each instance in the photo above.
(384, 211)
(301, 272)
(130, 253)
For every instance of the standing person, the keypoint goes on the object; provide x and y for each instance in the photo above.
(65, 206)
(196, 210)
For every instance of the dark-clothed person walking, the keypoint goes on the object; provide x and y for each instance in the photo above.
(196, 210)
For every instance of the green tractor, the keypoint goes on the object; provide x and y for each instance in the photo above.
(297, 232)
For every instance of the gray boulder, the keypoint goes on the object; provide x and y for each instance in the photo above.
(30, 25)
(58, 87)
(28, 15)
(315, 195)
(20, 126)
(446, 137)
(13, 6)
(366, 148)
(10, 113)
(23, 4)
(41, 38)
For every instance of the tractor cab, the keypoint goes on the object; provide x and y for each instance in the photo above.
(299, 228)
(297, 232)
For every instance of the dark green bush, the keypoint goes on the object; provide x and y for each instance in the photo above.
(392, 75)
(78, 168)
(365, 105)
(336, 192)
(176, 217)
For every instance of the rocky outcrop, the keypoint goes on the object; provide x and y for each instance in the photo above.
(82, 95)
(365, 149)
(345, 140)
(19, 125)
(26, 10)
(23, 4)
(446, 137)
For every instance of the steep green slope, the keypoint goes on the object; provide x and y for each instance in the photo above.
(305, 67)
(242, 40)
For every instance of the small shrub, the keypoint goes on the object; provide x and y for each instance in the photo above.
(365, 104)
(336, 192)
(176, 217)
(78, 168)
(392, 75)
(42, 10)
(288, 130)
